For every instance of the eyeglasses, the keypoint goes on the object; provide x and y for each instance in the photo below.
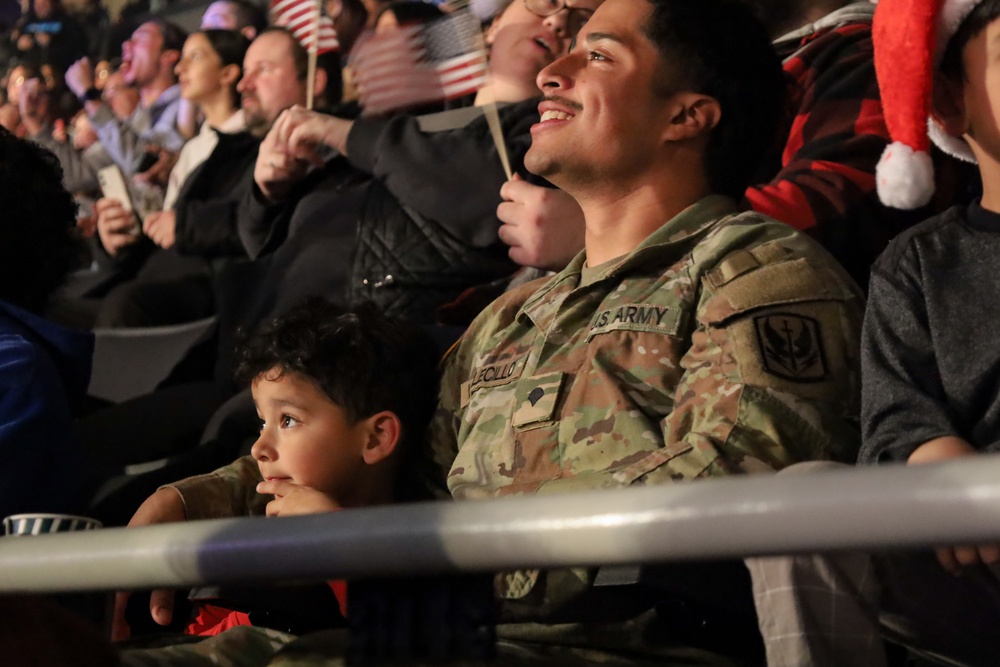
(576, 17)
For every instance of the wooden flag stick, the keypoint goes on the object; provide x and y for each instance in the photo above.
(489, 108)
(313, 48)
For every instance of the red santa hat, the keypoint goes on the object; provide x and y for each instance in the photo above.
(910, 37)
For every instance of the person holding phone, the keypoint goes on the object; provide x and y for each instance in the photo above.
(208, 72)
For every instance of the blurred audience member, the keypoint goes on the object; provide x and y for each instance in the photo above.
(47, 33)
(96, 24)
(240, 15)
(405, 13)
(44, 369)
(349, 19)
(148, 60)
(121, 97)
(209, 71)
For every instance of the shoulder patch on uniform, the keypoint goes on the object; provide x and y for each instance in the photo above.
(791, 347)
(636, 317)
(787, 282)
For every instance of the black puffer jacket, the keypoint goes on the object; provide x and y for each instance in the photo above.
(429, 228)
(426, 223)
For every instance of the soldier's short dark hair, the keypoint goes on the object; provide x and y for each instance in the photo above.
(952, 65)
(38, 240)
(718, 48)
(361, 360)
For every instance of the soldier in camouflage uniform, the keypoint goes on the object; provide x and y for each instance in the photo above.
(687, 341)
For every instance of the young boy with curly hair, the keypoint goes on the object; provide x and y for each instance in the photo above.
(331, 438)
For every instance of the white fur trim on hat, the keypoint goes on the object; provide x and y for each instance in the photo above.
(904, 177)
(953, 146)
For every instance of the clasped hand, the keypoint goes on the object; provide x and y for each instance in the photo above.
(291, 148)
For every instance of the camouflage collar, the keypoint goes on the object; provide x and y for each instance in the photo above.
(672, 240)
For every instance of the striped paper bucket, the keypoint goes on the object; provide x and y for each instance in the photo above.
(41, 524)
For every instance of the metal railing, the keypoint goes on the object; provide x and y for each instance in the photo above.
(854, 508)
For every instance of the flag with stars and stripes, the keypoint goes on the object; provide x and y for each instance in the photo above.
(299, 17)
(413, 65)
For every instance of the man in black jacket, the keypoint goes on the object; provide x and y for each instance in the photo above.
(405, 215)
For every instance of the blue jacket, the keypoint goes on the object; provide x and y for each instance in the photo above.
(44, 371)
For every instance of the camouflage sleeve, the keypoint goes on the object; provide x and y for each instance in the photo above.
(771, 377)
(230, 491)
(443, 431)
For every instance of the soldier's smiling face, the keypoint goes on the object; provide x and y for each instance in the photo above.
(602, 114)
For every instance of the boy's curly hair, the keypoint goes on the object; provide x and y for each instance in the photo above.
(363, 361)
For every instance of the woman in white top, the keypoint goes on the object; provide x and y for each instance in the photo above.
(208, 71)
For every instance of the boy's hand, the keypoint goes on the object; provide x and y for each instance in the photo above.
(955, 559)
(164, 506)
(291, 499)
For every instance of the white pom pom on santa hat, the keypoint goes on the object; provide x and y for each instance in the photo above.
(909, 37)
(904, 177)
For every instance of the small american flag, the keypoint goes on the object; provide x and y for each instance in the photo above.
(414, 65)
(299, 17)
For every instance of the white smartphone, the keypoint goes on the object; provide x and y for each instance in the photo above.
(113, 185)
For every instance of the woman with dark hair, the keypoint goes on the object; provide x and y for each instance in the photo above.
(174, 283)
(208, 71)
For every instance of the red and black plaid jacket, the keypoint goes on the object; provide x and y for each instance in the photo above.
(825, 183)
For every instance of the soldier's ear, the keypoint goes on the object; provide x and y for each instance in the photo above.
(691, 115)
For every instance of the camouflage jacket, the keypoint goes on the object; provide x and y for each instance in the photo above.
(725, 343)
(722, 344)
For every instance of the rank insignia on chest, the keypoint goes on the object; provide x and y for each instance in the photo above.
(791, 347)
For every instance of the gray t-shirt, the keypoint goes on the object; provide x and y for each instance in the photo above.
(931, 341)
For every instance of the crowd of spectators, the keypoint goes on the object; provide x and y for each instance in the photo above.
(707, 238)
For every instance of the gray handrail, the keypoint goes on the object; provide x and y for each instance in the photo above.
(871, 508)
